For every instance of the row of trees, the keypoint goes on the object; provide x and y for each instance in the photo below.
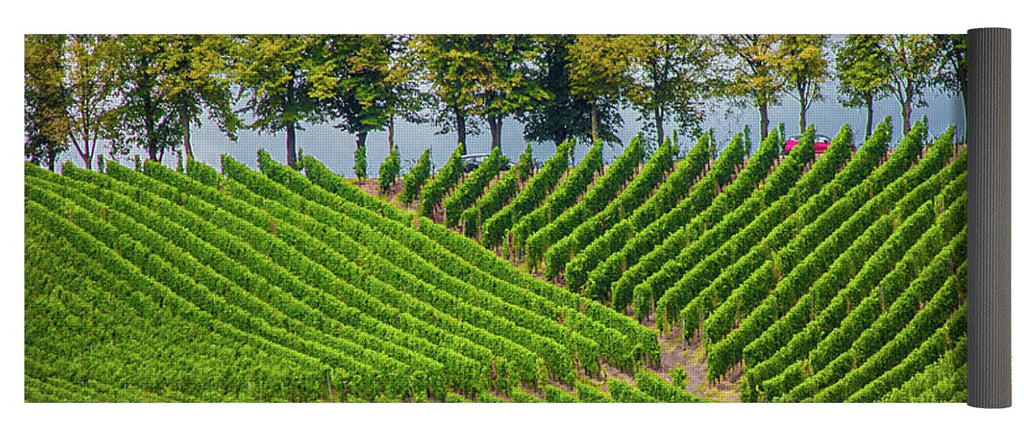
(148, 91)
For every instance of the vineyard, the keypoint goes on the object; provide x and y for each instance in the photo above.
(152, 284)
(830, 277)
(835, 276)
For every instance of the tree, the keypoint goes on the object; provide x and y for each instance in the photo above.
(165, 83)
(912, 65)
(802, 65)
(453, 68)
(861, 70)
(511, 84)
(272, 73)
(196, 79)
(563, 115)
(599, 72)
(487, 77)
(143, 117)
(46, 99)
(91, 90)
(673, 78)
(366, 81)
(754, 76)
(952, 75)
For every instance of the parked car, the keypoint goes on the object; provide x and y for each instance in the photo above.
(821, 144)
(472, 161)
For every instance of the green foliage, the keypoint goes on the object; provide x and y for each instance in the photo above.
(564, 115)
(952, 51)
(912, 65)
(856, 268)
(554, 394)
(729, 350)
(442, 183)
(608, 239)
(599, 72)
(366, 81)
(623, 392)
(389, 170)
(412, 310)
(274, 74)
(679, 377)
(145, 117)
(498, 195)
(804, 68)
(467, 192)
(414, 180)
(566, 194)
(755, 78)
(360, 162)
(604, 205)
(861, 70)
(452, 397)
(659, 389)
(612, 269)
(526, 165)
(590, 394)
(91, 89)
(940, 381)
(841, 280)
(531, 196)
(489, 76)
(675, 80)
(671, 250)
(46, 99)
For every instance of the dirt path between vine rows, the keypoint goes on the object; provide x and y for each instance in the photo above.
(676, 351)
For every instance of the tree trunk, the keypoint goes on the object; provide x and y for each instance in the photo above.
(361, 139)
(763, 109)
(51, 160)
(186, 131)
(291, 156)
(391, 133)
(906, 116)
(963, 109)
(659, 121)
(803, 117)
(560, 137)
(151, 145)
(593, 122)
(460, 127)
(87, 154)
(495, 123)
(871, 117)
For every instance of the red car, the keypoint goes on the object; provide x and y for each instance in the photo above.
(821, 143)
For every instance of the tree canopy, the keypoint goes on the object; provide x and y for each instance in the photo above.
(803, 67)
(46, 99)
(862, 73)
(754, 76)
(147, 92)
(273, 73)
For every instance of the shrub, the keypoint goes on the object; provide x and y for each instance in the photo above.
(389, 170)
